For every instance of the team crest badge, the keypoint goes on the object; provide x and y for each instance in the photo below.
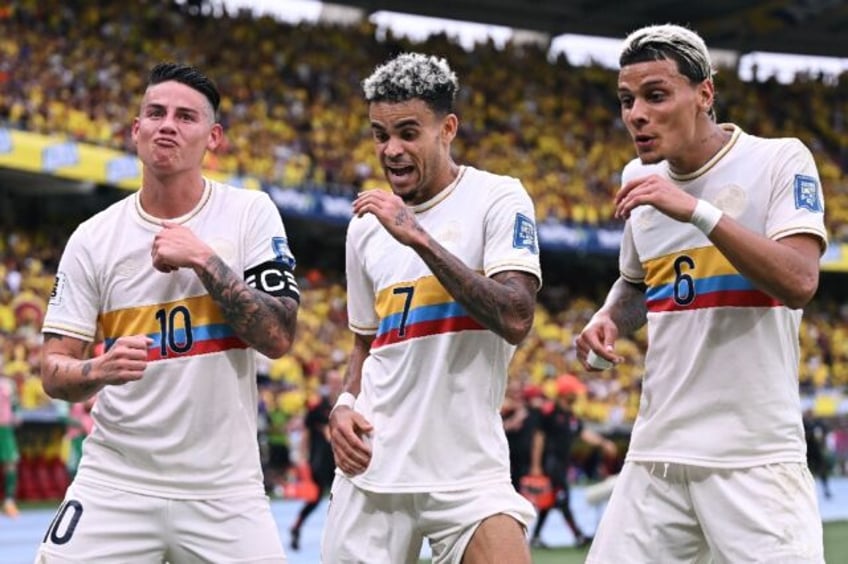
(807, 194)
(524, 235)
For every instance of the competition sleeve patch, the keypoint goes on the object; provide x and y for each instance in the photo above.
(807, 193)
(282, 253)
(58, 289)
(524, 234)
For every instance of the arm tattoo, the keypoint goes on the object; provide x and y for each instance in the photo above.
(64, 385)
(505, 304)
(261, 320)
(627, 308)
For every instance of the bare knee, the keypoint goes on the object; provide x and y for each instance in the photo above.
(499, 538)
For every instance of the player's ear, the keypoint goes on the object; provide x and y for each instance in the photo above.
(706, 95)
(450, 125)
(216, 135)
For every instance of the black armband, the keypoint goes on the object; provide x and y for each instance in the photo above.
(274, 278)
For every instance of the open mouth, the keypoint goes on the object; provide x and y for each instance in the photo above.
(400, 171)
(644, 141)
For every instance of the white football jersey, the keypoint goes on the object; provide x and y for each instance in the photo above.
(434, 381)
(187, 429)
(721, 372)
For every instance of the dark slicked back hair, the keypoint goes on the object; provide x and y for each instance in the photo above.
(191, 77)
(414, 76)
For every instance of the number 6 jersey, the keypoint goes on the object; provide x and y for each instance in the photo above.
(721, 373)
(187, 428)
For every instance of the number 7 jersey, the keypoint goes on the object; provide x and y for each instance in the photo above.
(721, 372)
(434, 381)
(187, 428)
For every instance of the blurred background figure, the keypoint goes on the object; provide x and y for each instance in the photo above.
(79, 427)
(9, 455)
(815, 435)
(316, 450)
(553, 439)
(520, 420)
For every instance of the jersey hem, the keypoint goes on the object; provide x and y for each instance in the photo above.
(67, 331)
(709, 462)
(428, 487)
(100, 481)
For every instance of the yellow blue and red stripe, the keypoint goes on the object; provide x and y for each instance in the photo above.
(187, 327)
(419, 308)
(698, 279)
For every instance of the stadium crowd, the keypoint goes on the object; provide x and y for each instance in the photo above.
(292, 109)
(292, 112)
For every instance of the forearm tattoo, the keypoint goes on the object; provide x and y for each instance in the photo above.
(63, 380)
(627, 306)
(505, 305)
(259, 319)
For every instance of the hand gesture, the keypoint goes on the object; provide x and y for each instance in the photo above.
(656, 191)
(176, 246)
(124, 362)
(599, 336)
(347, 428)
(392, 213)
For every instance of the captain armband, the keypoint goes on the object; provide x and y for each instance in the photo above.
(274, 278)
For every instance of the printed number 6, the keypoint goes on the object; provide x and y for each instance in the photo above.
(684, 284)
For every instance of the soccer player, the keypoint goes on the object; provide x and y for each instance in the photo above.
(721, 249)
(442, 274)
(184, 277)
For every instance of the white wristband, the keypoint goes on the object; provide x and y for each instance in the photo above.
(705, 217)
(346, 399)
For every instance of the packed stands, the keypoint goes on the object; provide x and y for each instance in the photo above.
(294, 119)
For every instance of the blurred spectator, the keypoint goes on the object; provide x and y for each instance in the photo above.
(315, 448)
(551, 454)
(9, 455)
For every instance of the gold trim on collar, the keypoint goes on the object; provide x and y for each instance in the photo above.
(204, 197)
(735, 134)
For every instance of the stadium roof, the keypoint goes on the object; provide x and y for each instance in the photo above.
(810, 27)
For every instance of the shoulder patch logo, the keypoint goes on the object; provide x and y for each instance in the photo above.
(524, 234)
(58, 289)
(282, 253)
(807, 194)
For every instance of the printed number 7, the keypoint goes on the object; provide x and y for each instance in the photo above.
(408, 290)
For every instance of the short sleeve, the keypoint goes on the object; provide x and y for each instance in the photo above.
(797, 202)
(266, 239)
(74, 303)
(628, 259)
(362, 315)
(511, 239)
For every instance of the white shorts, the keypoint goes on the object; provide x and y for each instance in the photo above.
(104, 525)
(365, 527)
(677, 513)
